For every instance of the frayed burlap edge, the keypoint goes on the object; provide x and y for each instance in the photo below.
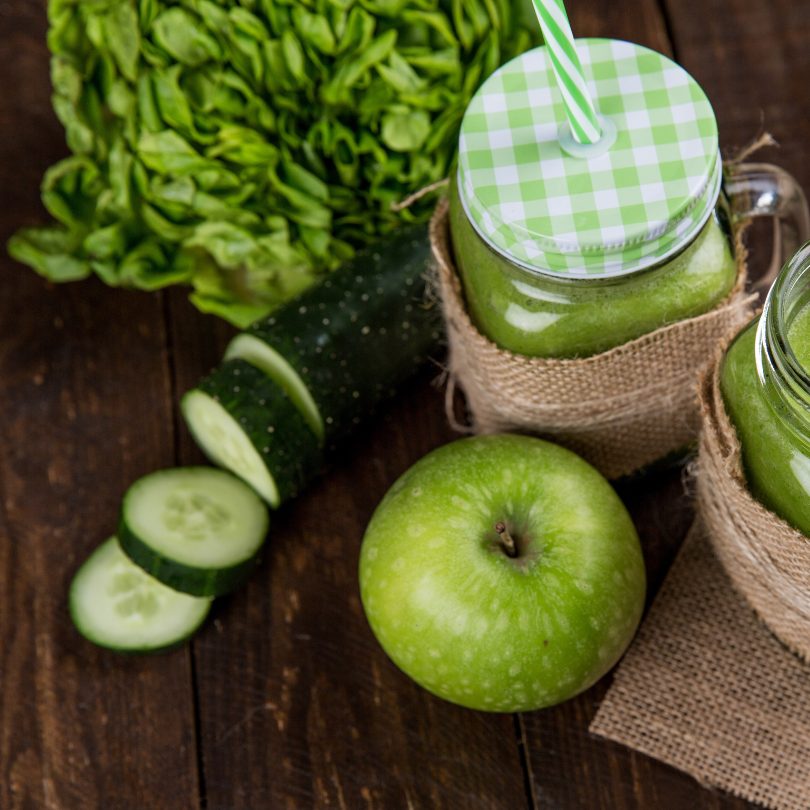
(621, 409)
(767, 560)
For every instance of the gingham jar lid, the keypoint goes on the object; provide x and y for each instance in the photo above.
(628, 202)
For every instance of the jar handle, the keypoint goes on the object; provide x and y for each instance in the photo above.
(764, 190)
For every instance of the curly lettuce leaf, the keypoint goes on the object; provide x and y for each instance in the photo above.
(246, 149)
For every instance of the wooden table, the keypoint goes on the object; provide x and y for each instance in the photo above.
(284, 700)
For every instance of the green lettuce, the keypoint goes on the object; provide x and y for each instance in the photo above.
(246, 148)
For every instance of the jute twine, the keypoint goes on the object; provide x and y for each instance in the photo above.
(706, 688)
(767, 560)
(621, 409)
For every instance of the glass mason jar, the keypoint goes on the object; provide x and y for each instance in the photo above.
(567, 249)
(765, 382)
(537, 314)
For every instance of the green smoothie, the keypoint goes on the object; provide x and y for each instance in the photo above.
(776, 454)
(799, 336)
(545, 316)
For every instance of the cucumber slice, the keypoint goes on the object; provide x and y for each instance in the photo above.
(116, 605)
(196, 529)
(345, 345)
(246, 423)
(226, 444)
(258, 353)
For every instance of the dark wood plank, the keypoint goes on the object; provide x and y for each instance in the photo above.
(298, 705)
(570, 768)
(84, 408)
(641, 21)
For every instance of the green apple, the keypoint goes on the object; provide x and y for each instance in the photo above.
(502, 573)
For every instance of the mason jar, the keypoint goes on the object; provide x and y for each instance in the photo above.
(765, 383)
(567, 251)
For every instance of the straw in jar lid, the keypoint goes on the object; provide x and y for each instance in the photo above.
(632, 199)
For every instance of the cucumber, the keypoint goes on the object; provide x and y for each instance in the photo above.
(345, 345)
(116, 605)
(245, 422)
(264, 357)
(195, 529)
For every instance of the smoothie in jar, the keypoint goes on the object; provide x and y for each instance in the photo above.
(765, 382)
(544, 316)
(567, 249)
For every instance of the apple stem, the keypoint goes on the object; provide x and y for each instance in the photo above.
(506, 540)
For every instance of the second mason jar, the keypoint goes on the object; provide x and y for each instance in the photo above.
(567, 250)
(765, 382)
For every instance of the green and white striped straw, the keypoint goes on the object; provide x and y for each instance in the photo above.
(568, 70)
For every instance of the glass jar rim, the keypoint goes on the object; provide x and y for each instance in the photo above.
(778, 366)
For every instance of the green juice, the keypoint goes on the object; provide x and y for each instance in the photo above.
(776, 456)
(543, 316)
(799, 337)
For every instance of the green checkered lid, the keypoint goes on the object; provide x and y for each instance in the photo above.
(630, 201)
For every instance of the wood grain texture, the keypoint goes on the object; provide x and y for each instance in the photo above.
(84, 409)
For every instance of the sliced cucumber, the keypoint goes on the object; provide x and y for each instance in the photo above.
(196, 529)
(246, 423)
(346, 344)
(222, 439)
(258, 353)
(115, 604)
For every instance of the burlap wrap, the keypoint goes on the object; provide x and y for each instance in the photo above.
(767, 560)
(621, 409)
(706, 688)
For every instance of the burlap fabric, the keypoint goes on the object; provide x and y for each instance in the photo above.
(621, 410)
(707, 689)
(767, 560)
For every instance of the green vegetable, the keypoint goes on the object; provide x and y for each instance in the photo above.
(117, 605)
(345, 345)
(247, 148)
(194, 529)
(246, 423)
